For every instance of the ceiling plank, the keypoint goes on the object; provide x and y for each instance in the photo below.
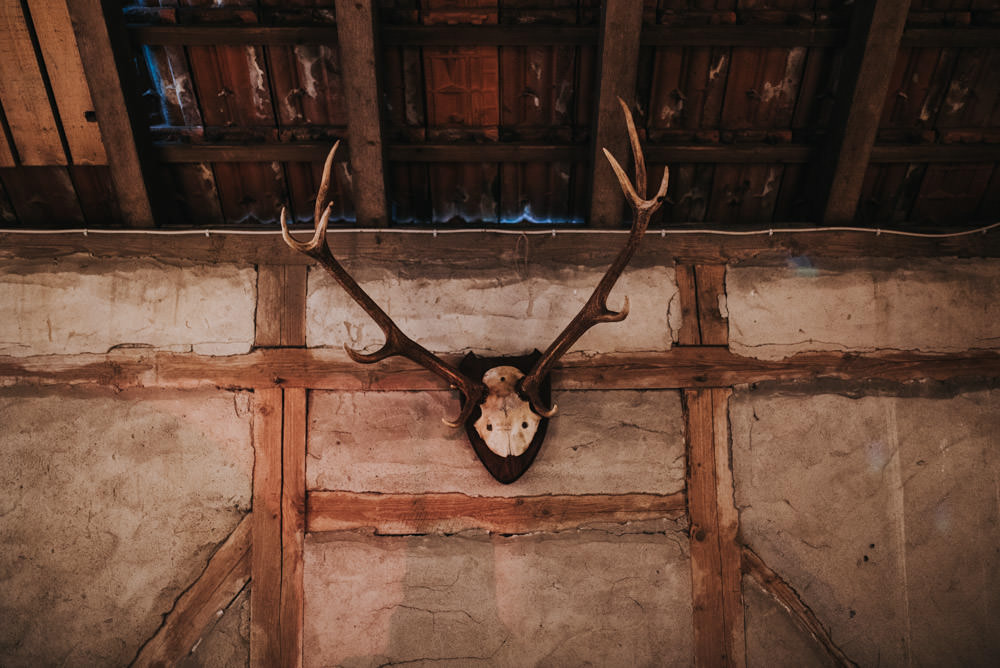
(23, 94)
(118, 129)
(876, 31)
(621, 23)
(356, 38)
(69, 85)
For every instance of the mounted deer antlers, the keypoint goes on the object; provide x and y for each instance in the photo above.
(507, 412)
(396, 343)
(596, 309)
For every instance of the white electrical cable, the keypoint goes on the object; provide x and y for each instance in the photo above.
(532, 232)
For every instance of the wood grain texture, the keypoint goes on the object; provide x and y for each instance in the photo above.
(281, 306)
(493, 250)
(706, 560)
(6, 156)
(117, 127)
(729, 531)
(359, 69)
(759, 35)
(266, 554)
(711, 283)
(69, 84)
(225, 576)
(293, 526)
(324, 369)
(23, 93)
(789, 599)
(876, 30)
(400, 514)
(621, 21)
(689, 334)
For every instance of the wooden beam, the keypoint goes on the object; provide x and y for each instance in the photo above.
(281, 306)
(876, 30)
(293, 526)
(549, 35)
(706, 560)
(326, 369)
(23, 92)
(266, 554)
(729, 532)
(359, 70)
(753, 153)
(689, 334)
(400, 514)
(6, 155)
(621, 22)
(119, 129)
(774, 585)
(225, 576)
(496, 250)
(710, 282)
(69, 84)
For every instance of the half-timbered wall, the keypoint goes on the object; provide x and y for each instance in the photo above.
(776, 504)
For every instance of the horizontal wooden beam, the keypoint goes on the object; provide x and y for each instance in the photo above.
(487, 250)
(548, 35)
(175, 152)
(328, 369)
(404, 514)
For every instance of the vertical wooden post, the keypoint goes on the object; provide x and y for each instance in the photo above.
(621, 23)
(293, 526)
(715, 553)
(265, 559)
(281, 306)
(358, 59)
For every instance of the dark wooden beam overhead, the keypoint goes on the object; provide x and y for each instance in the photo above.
(876, 31)
(621, 23)
(130, 173)
(514, 152)
(547, 35)
(356, 37)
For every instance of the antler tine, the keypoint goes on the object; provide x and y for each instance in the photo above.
(396, 343)
(321, 217)
(640, 159)
(596, 309)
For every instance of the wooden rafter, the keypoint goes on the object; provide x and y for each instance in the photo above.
(175, 152)
(618, 51)
(359, 69)
(119, 130)
(876, 31)
(550, 35)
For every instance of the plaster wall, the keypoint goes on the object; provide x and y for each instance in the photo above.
(84, 305)
(883, 512)
(933, 306)
(495, 312)
(110, 506)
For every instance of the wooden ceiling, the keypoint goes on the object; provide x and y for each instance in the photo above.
(493, 112)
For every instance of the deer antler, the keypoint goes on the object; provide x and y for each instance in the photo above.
(396, 343)
(596, 309)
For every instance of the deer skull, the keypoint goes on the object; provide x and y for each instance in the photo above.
(506, 424)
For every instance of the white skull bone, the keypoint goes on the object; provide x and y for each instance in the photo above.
(507, 424)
